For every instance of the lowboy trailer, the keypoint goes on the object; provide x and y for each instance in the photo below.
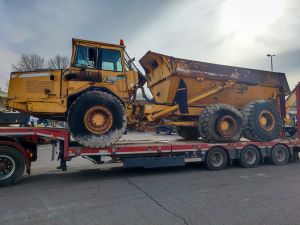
(18, 149)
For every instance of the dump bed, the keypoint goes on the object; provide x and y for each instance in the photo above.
(164, 73)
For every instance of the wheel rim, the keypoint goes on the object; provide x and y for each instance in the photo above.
(217, 159)
(98, 119)
(280, 155)
(266, 120)
(7, 167)
(250, 157)
(226, 126)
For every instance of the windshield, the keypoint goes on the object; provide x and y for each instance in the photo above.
(110, 59)
(98, 58)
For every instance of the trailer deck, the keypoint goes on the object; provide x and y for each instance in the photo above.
(125, 146)
(139, 153)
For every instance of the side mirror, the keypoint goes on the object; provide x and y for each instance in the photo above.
(130, 61)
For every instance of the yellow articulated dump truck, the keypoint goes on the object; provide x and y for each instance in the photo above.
(96, 95)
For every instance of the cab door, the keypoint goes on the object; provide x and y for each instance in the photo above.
(110, 64)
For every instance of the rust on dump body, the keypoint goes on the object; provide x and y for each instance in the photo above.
(165, 72)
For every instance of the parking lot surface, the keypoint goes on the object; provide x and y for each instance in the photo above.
(91, 194)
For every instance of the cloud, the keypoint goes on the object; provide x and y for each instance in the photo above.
(224, 32)
(47, 27)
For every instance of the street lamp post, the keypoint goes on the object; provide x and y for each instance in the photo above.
(271, 55)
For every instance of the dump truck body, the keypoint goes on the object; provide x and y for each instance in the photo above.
(215, 102)
(165, 74)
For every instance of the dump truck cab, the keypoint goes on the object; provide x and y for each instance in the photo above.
(101, 64)
(93, 66)
(94, 95)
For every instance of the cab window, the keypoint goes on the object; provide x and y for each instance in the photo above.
(110, 59)
(85, 57)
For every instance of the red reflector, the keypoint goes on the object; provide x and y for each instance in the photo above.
(121, 42)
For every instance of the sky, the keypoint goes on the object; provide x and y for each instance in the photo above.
(231, 32)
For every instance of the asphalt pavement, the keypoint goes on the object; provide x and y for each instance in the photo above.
(89, 194)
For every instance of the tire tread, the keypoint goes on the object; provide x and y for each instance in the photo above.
(101, 141)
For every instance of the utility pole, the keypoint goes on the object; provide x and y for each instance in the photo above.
(271, 56)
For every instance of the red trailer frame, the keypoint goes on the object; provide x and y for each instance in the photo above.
(150, 154)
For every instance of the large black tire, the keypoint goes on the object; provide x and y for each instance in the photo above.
(12, 165)
(211, 120)
(250, 157)
(279, 155)
(86, 132)
(261, 121)
(188, 133)
(216, 159)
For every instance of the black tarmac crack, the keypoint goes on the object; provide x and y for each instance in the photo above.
(156, 201)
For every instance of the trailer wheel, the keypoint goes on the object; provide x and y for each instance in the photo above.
(12, 165)
(97, 119)
(188, 133)
(250, 157)
(262, 122)
(279, 155)
(220, 123)
(216, 159)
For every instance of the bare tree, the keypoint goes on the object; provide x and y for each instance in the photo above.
(29, 63)
(59, 62)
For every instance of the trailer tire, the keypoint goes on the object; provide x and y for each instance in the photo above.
(279, 155)
(250, 157)
(216, 158)
(220, 123)
(12, 165)
(262, 122)
(188, 133)
(97, 119)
